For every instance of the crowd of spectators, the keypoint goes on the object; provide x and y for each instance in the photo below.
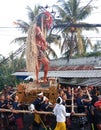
(86, 100)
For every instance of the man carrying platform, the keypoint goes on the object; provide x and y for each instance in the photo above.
(36, 106)
(97, 115)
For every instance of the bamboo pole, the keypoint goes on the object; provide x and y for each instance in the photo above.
(79, 114)
(24, 111)
(13, 93)
(72, 101)
(37, 112)
(71, 106)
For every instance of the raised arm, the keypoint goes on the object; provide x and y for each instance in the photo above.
(40, 37)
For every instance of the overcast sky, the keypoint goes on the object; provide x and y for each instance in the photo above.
(11, 10)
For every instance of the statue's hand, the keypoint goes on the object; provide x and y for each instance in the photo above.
(44, 47)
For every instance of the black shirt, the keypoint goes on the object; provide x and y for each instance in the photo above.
(97, 116)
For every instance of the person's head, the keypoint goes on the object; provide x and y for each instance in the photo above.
(16, 98)
(59, 100)
(80, 94)
(98, 105)
(2, 97)
(40, 95)
(69, 89)
(60, 92)
(64, 97)
(8, 97)
(90, 88)
(44, 18)
(99, 97)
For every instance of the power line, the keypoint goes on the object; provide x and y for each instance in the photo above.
(91, 37)
(86, 1)
(10, 27)
(66, 25)
(96, 13)
(16, 53)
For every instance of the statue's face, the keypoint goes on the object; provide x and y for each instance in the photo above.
(48, 21)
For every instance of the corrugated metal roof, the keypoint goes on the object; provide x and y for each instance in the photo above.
(66, 74)
(76, 73)
(91, 82)
(84, 82)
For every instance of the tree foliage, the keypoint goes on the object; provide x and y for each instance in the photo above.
(71, 12)
(9, 67)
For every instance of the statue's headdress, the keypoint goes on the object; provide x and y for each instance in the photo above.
(45, 19)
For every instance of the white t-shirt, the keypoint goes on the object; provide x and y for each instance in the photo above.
(60, 113)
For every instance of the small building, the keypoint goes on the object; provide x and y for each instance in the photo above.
(75, 72)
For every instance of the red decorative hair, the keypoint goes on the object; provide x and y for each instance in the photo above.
(48, 19)
(45, 18)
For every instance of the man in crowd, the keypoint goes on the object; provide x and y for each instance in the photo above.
(3, 116)
(60, 113)
(97, 115)
(18, 116)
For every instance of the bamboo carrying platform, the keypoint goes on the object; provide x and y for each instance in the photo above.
(28, 92)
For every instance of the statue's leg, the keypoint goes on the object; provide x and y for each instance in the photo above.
(45, 61)
(37, 71)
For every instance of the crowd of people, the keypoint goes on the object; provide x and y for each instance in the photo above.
(79, 109)
(10, 120)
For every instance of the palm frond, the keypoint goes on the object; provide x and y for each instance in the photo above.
(89, 42)
(20, 40)
(22, 54)
(50, 51)
(80, 44)
(32, 13)
(62, 14)
(85, 13)
(64, 45)
(23, 26)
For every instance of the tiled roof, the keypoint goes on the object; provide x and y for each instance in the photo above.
(86, 63)
(76, 61)
(79, 67)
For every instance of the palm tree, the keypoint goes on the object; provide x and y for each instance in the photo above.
(71, 12)
(24, 26)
